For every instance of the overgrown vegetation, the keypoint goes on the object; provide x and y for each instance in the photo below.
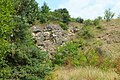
(19, 56)
(79, 20)
(81, 53)
(21, 59)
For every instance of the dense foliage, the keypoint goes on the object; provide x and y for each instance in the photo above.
(6, 26)
(62, 15)
(79, 20)
(19, 56)
(27, 9)
(21, 59)
(81, 53)
(45, 13)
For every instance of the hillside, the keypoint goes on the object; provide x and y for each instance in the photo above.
(108, 39)
(109, 35)
(37, 43)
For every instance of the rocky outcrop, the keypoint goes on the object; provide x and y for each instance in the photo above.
(48, 37)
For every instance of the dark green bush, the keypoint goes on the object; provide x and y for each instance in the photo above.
(80, 53)
(27, 9)
(45, 13)
(6, 27)
(99, 27)
(28, 61)
(99, 18)
(88, 22)
(86, 32)
(62, 15)
(79, 20)
(63, 26)
(75, 53)
(73, 19)
(96, 22)
(68, 51)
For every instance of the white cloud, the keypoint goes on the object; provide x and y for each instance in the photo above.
(90, 8)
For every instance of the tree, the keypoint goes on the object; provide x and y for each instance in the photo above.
(62, 15)
(45, 8)
(6, 27)
(88, 22)
(108, 15)
(27, 12)
(99, 18)
(27, 9)
(45, 12)
(79, 20)
(19, 56)
(66, 16)
(96, 22)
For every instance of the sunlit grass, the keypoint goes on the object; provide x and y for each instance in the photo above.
(84, 73)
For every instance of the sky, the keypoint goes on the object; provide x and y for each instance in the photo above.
(87, 9)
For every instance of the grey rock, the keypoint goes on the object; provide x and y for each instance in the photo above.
(49, 37)
(36, 29)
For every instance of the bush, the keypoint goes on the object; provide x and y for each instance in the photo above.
(88, 22)
(20, 59)
(99, 27)
(67, 53)
(28, 62)
(23, 59)
(79, 20)
(6, 27)
(62, 15)
(108, 15)
(80, 53)
(96, 22)
(99, 18)
(73, 19)
(63, 26)
(86, 32)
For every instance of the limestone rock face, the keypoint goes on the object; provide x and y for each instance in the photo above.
(48, 37)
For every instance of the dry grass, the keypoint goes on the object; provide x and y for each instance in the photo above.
(92, 73)
(84, 73)
(110, 38)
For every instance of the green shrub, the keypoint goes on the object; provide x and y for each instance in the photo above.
(62, 15)
(99, 27)
(28, 62)
(96, 22)
(80, 53)
(79, 20)
(73, 54)
(44, 18)
(67, 52)
(23, 59)
(73, 19)
(88, 22)
(86, 32)
(6, 27)
(108, 14)
(63, 26)
(99, 18)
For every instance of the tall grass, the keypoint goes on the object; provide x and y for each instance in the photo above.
(84, 73)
